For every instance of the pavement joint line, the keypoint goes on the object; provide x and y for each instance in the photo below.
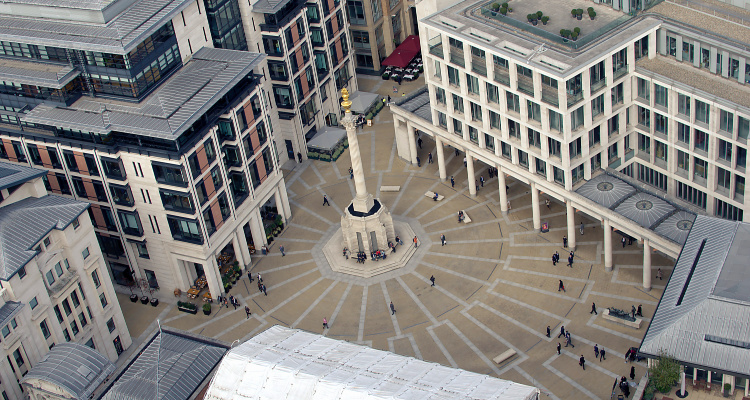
(512, 321)
(474, 241)
(332, 203)
(305, 227)
(231, 328)
(391, 346)
(625, 298)
(377, 186)
(283, 267)
(548, 364)
(362, 316)
(459, 301)
(401, 192)
(512, 257)
(414, 325)
(318, 174)
(393, 314)
(352, 189)
(314, 304)
(452, 272)
(417, 200)
(447, 311)
(471, 225)
(372, 153)
(292, 297)
(463, 257)
(254, 295)
(393, 156)
(254, 331)
(441, 346)
(417, 353)
(259, 306)
(536, 383)
(610, 351)
(338, 307)
(455, 216)
(593, 365)
(304, 184)
(416, 300)
(473, 347)
(439, 204)
(311, 212)
(614, 333)
(335, 168)
(521, 355)
(541, 291)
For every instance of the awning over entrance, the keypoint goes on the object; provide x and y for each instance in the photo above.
(404, 53)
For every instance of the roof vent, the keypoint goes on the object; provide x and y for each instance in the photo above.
(692, 270)
(728, 342)
(85, 372)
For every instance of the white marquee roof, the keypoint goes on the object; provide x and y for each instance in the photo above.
(284, 363)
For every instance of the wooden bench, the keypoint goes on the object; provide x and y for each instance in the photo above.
(466, 217)
(390, 188)
(504, 356)
(431, 195)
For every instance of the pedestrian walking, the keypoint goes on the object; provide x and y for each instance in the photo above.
(432, 279)
(570, 260)
(658, 273)
(558, 348)
(419, 142)
(593, 308)
(250, 276)
(299, 157)
(442, 240)
(632, 372)
(260, 286)
(247, 312)
(260, 278)
(325, 323)
(281, 249)
(481, 180)
(557, 257)
(582, 362)
(325, 201)
(419, 162)
(554, 259)
(546, 202)
(627, 356)
(596, 351)
(264, 290)
(565, 241)
(581, 228)
(464, 162)
(548, 331)
(233, 301)
(561, 286)
(639, 312)
(562, 332)
(351, 173)
(456, 152)
(429, 158)
(623, 242)
(569, 340)
(602, 352)
(393, 309)
(630, 240)
(453, 182)
(632, 311)
(416, 243)
(508, 204)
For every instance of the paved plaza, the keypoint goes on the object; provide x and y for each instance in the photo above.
(496, 288)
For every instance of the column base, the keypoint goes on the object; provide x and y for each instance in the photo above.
(608, 269)
(504, 213)
(473, 195)
(646, 289)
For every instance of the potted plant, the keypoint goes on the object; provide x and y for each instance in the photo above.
(531, 18)
(187, 307)
(154, 302)
(574, 12)
(539, 15)
(505, 5)
(544, 20)
(207, 308)
(592, 13)
(574, 35)
(227, 287)
(144, 299)
(386, 75)
(727, 389)
(579, 14)
(510, 10)
(133, 297)
(564, 33)
(503, 11)
(280, 221)
(577, 30)
(495, 7)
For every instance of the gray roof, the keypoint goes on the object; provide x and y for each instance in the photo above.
(47, 74)
(169, 110)
(8, 311)
(703, 317)
(418, 102)
(269, 6)
(327, 138)
(77, 368)
(645, 209)
(677, 226)
(180, 361)
(120, 35)
(16, 174)
(606, 190)
(23, 224)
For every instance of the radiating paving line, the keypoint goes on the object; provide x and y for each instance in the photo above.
(331, 201)
(630, 299)
(536, 383)
(292, 297)
(319, 175)
(455, 215)
(311, 212)
(491, 290)
(472, 225)
(362, 314)
(509, 261)
(592, 365)
(387, 297)
(447, 293)
(541, 291)
(254, 332)
(452, 272)
(234, 326)
(401, 192)
(278, 285)
(417, 200)
(278, 254)
(393, 156)
(614, 333)
(473, 347)
(313, 305)
(521, 355)
(377, 186)
(416, 300)
(417, 353)
(335, 168)
(297, 241)
(475, 241)
(439, 204)
(283, 267)
(548, 364)
(591, 343)
(372, 153)
(534, 332)
(441, 346)
(338, 307)
(305, 227)
(463, 257)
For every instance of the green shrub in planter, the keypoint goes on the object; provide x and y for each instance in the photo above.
(545, 19)
(495, 6)
(574, 35)
(503, 11)
(573, 12)
(386, 76)
(665, 373)
(207, 308)
(539, 15)
(592, 13)
(325, 157)
(505, 5)
(577, 30)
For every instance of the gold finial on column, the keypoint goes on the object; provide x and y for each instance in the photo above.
(346, 103)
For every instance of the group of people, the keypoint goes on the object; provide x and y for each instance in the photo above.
(226, 301)
(361, 257)
(556, 258)
(378, 255)
(261, 285)
(461, 216)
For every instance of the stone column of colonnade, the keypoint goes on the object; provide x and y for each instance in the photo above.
(503, 191)
(238, 250)
(470, 175)
(411, 137)
(646, 264)
(571, 213)
(607, 245)
(536, 217)
(440, 158)
(242, 240)
(213, 276)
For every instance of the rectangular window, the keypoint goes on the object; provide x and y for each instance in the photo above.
(453, 77)
(489, 142)
(728, 211)
(660, 124)
(66, 335)
(440, 95)
(74, 328)
(495, 120)
(513, 104)
(555, 121)
(597, 105)
(45, 329)
(95, 278)
(534, 111)
(726, 121)
(554, 147)
(574, 148)
(66, 307)
(683, 105)
(691, 195)
(651, 177)
(472, 83)
(661, 95)
(701, 140)
(576, 119)
(74, 299)
(644, 143)
(103, 300)
(723, 178)
(493, 93)
(683, 160)
(661, 150)
(644, 89)
(111, 325)
(559, 175)
(458, 103)
(644, 117)
(702, 111)
(535, 139)
(82, 318)
(700, 168)
(85, 253)
(594, 136)
(59, 315)
(50, 277)
(33, 303)
(476, 112)
(725, 150)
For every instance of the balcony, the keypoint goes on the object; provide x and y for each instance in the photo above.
(549, 95)
(62, 283)
(502, 75)
(436, 46)
(457, 57)
(526, 84)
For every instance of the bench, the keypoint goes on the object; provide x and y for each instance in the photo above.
(466, 217)
(431, 195)
(390, 188)
(504, 356)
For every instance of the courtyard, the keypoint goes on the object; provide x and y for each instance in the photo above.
(495, 289)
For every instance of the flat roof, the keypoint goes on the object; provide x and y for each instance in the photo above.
(704, 312)
(167, 112)
(694, 80)
(16, 174)
(39, 73)
(120, 35)
(707, 16)
(269, 6)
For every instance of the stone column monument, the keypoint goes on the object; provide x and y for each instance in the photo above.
(366, 224)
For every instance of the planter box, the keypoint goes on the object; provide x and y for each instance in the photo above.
(154, 302)
(188, 310)
(144, 300)
(133, 298)
(206, 312)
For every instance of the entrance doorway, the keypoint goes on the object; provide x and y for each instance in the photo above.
(198, 270)
(414, 22)
(289, 149)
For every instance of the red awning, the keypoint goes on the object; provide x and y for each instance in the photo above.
(404, 53)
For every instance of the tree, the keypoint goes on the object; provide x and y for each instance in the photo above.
(665, 372)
